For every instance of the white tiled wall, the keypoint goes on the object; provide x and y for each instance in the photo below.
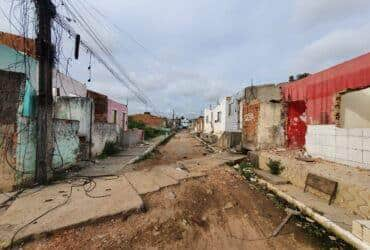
(346, 146)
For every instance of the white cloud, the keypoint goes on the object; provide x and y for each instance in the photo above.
(337, 46)
(317, 12)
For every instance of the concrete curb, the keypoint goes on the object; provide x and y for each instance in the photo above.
(322, 220)
(149, 150)
(215, 150)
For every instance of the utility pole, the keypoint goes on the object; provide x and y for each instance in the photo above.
(173, 118)
(45, 52)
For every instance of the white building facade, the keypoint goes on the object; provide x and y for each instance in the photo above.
(224, 117)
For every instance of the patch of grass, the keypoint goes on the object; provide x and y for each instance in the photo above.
(110, 148)
(150, 133)
(316, 231)
(275, 167)
(246, 169)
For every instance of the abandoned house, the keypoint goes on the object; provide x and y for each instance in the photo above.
(222, 122)
(327, 114)
(110, 121)
(326, 117)
(72, 112)
(18, 54)
(19, 137)
(261, 116)
(198, 124)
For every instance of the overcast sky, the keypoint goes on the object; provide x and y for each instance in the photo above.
(197, 51)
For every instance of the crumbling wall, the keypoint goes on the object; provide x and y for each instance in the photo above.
(353, 189)
(270, 132)
(251, 115)
(101, 106)
(103, 133)
(76, 108)
(229, 140)
(133, 137)
(66, 143)
(12, 86)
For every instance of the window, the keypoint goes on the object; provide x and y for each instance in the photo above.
(207, 119)
(218, 117)
(115, 116)
(229, 113)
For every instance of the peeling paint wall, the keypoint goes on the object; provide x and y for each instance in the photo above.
(100, 105)
(133, 137)
(103, 133)
(66, 143)
(76, 108)
(262, 119)
(270, 132)
(18, 134)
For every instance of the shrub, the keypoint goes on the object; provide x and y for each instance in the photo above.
(110, 148)
(246, 169)
(275, 167)
(150, 133)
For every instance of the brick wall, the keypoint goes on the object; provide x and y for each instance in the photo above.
(101, 106)
(250, 124)
(11, 88)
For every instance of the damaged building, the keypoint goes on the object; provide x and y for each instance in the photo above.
(261, 116)
(110, 122)
(327, 114)
(19, 135)
(221, 124)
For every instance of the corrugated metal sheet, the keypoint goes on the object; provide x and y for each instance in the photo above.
(319, 90)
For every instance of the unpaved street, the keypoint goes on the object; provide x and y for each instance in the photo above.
(219, 211)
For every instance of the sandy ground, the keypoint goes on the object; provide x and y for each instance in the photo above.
(182, 146)
(220, 211)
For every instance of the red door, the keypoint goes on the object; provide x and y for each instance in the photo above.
(296, 124)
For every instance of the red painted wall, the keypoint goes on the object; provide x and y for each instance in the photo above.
(319, 90)
(296, 124)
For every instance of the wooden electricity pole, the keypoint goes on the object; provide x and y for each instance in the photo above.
(45, 53)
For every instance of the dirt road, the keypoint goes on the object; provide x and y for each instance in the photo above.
(220, 211)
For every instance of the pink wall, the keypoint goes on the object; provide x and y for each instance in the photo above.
(122, 110)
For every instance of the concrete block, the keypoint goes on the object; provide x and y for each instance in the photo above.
(366, 235)
(328, 151)
(341, 131)
(355, 142)
(366, 132)
(323, 140)
(331, 140)
(355, 132)
(311, 130)
(366, 143)
(326, 130)
(341, 141)
(361, 229)
(355, 155)
(366, 156)
(357, 229)
(341, 153)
